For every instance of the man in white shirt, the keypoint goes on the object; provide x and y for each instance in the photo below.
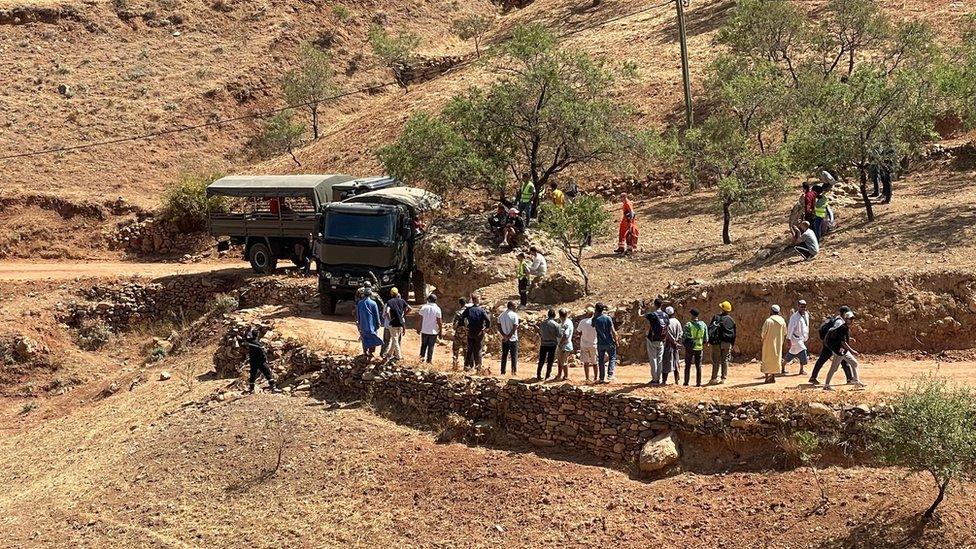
(588, 344)
(538, 268)
(508, 323)
(431, 325)
(798, 333)
(565, 345)
(807, 244)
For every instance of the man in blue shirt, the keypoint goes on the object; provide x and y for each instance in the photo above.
(477, 321)
(606, 344)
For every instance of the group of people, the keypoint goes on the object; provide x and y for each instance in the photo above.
(812, 217)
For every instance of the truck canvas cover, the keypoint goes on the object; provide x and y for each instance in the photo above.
(277, 185)
(418, 200)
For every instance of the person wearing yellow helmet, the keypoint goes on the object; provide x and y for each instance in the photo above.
(721, 338)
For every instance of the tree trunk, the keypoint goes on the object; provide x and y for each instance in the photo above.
(315, 121)
(930, 512)
(864, 192)
(726, 221)
(293, 157)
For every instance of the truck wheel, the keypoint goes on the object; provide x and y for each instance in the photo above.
(327, 304)
(261, 258)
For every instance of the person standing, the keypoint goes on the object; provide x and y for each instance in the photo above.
(548, 342)
(838, 340)
(539, 266)
(257, 359)
(368, 321)
(587, 343)
(565, 347)
(606, 343)
(773, 335)
(459, 345)
(431, 326)
(797, 333)
(672, 339)
(522, 275)
(809, 202)
(821, 205)
(396, 314)
(825, 353)
(478, 322)
(628, 232)
(557, 196)
(657, 321)
(508, 324)
(696, 336)
(525, 198)
(721, 338)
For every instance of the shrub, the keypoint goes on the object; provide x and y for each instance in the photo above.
(94, 337)
(279, 135)
(392, 50)
(224, 303)
(186, 204)
(932, 429)
(472, 27)
(341, 12)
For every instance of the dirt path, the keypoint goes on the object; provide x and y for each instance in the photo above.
(882, 374)
(53, 270)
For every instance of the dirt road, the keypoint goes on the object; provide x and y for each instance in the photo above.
(54, 270)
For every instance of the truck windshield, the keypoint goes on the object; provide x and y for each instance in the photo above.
(363, 228)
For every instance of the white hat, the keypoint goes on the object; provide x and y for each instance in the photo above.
(849, 314)
(775, 308)
(802, 302)
(826, 177)
(669, 311)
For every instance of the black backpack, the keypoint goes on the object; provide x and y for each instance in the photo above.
(826, 326)
(715, 330)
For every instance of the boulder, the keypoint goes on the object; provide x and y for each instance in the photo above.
(557, 288)
(164, 375)
(24, 349)
(659, 453)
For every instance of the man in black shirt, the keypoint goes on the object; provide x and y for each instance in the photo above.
(838, 341)
(477, 321)
(258, 359)
(396, 312)
(721, 337)
(825, 352)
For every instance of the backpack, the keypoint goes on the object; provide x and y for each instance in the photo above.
(715, 330)
(828, 323)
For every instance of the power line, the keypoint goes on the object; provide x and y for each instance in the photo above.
(272, 112)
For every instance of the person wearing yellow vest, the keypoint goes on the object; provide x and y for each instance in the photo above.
(522, 275)
(821, 204)
(696, 336)
(525, 197)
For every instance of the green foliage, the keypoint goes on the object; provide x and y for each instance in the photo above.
(572, 226)
(279, 135)
(932, 429)
(94, 337)
(472, 27)
(186, 204)
(805, 446)
(957, 77)
(310, 83)
(224, 303)
(551, 109)
(341, 12)
(392, 50)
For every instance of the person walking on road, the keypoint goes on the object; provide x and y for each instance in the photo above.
(508, 324)
(522, 275)
(721, 338)
(606, 344)
(565, 347)
(838, 340)
(431, 326)
(696, 336)
(548, 342)
(396, 312)
(459, 343)
(773, 335)
(587, 343)
(657, 321)
(825, 352)
(797, 333)
(672, 342)
(368, 322)
(478, 322)
(257, 359)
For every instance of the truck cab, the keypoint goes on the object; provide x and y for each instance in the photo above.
(371, 237)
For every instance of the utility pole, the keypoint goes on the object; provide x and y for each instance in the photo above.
(685, 72)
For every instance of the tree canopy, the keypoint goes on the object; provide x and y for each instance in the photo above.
(310, 83)
(572, 226)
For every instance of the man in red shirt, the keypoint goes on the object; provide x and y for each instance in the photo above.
(809, 200)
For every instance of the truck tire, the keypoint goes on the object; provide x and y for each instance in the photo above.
(327, 304)
(261, 258)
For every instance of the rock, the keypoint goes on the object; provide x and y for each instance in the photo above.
(818, 408)
(659, 453)
(557, 288)
(65, 90)
(863, 408)
(164, 375)
(24, 349)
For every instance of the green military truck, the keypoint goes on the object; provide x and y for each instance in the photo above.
(275, 216)
(371, 237)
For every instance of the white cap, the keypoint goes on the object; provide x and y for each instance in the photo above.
(802, 302)
(669, 310)
(849, 314)
(775, 308)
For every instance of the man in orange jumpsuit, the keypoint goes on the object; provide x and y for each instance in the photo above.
(627, 241)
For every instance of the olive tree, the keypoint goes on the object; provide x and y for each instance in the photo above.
(280, 134)
(932, 430)
(550, 109)
(473, 27)
(573, 225)
(958, 75)
(393, 51)
(310, 83)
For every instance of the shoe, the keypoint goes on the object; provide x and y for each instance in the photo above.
(712, 382)
(814, 382)
(828, 388)
(698, 385)
(612, 378)
(859, 385)
(802, 372)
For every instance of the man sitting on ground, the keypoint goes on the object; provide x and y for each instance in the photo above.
(512, 228)
(806, 241)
